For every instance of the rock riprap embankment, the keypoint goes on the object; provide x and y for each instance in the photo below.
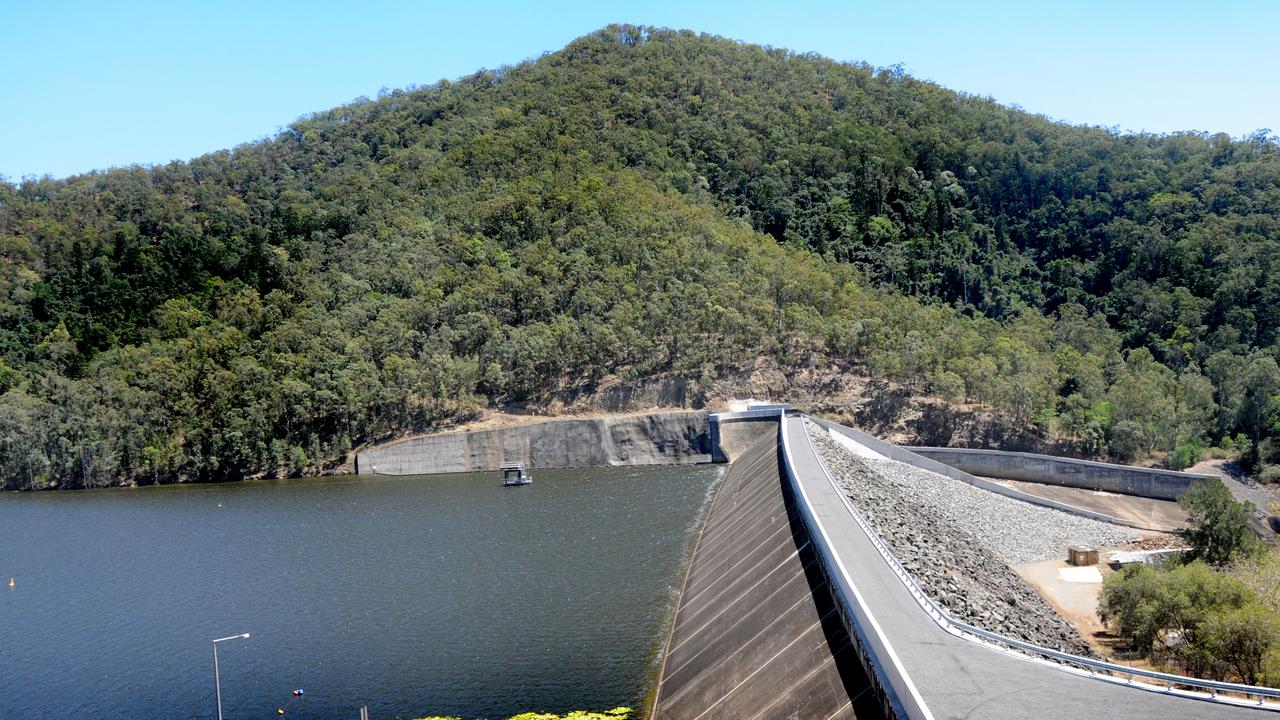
(956, 539)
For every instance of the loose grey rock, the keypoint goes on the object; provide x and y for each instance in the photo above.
(958, 541)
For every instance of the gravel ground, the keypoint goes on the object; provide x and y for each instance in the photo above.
(1015, 531)
(958, 541)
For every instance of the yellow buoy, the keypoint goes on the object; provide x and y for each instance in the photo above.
(10, 582)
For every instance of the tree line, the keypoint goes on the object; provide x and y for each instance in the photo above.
(642, 202)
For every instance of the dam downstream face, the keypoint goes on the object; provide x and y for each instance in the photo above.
(439, 595)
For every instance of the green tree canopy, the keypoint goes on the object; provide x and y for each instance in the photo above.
(643, 203)
(1217, 525)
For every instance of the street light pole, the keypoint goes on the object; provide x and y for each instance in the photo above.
(217, 682)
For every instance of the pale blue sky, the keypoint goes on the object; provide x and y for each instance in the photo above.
(98, 84)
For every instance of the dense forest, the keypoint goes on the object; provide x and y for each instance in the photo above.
(643, 202)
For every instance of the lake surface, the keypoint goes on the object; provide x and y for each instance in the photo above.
(446, 594)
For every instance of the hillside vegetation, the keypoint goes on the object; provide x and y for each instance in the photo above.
(642, 202)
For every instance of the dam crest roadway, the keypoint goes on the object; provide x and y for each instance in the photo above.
(793, 607)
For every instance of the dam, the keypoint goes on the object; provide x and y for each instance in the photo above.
(741, 648)
(793, 606)
(757, 629)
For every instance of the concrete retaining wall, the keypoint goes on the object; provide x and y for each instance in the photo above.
(667, 438)
(903, 455)
(1143, 482)
(733, 433)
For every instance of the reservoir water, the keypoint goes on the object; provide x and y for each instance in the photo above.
(440, 595)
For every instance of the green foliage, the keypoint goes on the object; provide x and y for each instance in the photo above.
(1239, 444)
(1132, 603)
(618, 713)
(643, 202)
(1191, 595)
(1186, 455)
(1217, 525)
(1203, 620)
(1242, 639)
(1262, 573)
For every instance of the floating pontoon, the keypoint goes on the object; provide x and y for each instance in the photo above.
(513, 473)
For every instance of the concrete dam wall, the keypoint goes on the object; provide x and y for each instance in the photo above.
(666, 438)
(1143, 482)
(757, 633)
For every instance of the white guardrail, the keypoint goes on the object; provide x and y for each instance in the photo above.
(1252, 695)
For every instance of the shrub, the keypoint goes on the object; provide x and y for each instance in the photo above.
(1191, 595)
(1271, 669)
(1186, 455)
(947, 384)
(1218, 525)
(1262, 573)
(618, 713)
(1132, 604)
(1149, 605)
(1128, 441)
(1268, 452)
(1240, 444)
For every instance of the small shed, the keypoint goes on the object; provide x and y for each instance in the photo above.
(1082, 555)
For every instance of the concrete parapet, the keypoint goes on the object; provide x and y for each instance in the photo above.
(658, 438)
(935, 663)
(1143, 482)
(899, 698)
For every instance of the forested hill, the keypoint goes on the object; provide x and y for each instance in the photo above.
(642, 202)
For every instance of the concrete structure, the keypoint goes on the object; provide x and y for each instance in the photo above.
(725, 657)
(1143, 482)
(904, 455)
(736, 431)
(1138, 512)
(939, 667)
(756, 633)
(658, 438)
(794, 608)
